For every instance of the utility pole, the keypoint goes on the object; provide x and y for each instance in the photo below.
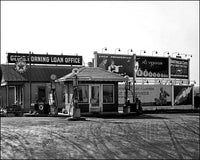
(30, 85)
(134, 76)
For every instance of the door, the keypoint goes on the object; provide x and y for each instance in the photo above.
(95, 98)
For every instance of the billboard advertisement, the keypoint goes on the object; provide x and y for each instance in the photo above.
(148, 67)
(152, 67)
(120, 64)
(45, 59)
(179, 68)
(183, 95)
(150, 95)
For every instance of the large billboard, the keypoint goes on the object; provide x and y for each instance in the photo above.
(150, 95)
(179, 68)
(121, 64)
(45, 59)
(148, 67)
(183, 95)
(152, 67)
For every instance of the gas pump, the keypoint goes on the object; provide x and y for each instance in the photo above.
(52, 97)
(126, 100)
(76, 115)
(75, 106)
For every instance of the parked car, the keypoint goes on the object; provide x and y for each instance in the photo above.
(14, 109)
(3, 112)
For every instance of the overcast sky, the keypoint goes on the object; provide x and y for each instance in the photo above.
(84, 27)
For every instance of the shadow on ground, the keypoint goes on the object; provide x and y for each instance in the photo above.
(125, 116)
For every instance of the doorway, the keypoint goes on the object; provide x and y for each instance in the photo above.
(95, 98)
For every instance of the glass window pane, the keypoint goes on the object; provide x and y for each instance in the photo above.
(83, 94)
(108, 94)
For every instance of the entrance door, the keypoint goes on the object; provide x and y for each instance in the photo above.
(95, 98)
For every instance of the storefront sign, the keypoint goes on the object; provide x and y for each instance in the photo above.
(150, 95)
(46, 59)
(179, 68)
(152, 67)
(182, 95)
(121, 64)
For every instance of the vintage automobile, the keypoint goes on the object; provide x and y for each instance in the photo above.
(40, 108)
(15, 109)
(3, 112)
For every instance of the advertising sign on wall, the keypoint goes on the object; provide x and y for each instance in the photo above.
(45, 59)
(152, 67)
(179, 68)
(121, 64)
(150, 95)
(182, 95)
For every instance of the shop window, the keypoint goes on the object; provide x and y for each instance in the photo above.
(18, 95)
(108, 94)
(83, 93)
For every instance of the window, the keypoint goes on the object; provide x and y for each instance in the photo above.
(108, 94)
(83, 93)
(18, 99)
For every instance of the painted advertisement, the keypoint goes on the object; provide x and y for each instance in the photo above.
(45, 59)
(183, 95)
(120, 64)
(150, 95)
(179, 68)
(152, 67)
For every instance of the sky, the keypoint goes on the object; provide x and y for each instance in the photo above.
(82, 27)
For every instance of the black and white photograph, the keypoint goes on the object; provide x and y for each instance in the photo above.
(99, 80)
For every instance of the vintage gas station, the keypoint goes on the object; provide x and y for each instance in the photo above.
(59, 83)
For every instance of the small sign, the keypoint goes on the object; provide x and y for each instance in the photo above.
(75, 71)
(21, 66)
(53, 77)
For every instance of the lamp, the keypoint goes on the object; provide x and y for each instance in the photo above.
(129, 50)
(166, 53)
(142, 51)
(154, 52)
(117, 49)
(175, 53)
(104, 49)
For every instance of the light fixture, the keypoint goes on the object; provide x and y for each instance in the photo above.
(117, 49)
(142, 51)
(104, 49)
(130, 50)
(175, 53)
(166, 53)
(154, 52)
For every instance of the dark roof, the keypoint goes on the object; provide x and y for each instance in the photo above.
(39, 73)
(93, 74)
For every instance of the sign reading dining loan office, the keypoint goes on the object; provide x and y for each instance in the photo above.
(45, 59)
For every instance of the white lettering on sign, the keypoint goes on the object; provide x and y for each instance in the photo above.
(72, 60)
(39, 59)
(15, 58)
(57, 59)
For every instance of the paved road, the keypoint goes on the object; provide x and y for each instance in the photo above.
(151, 136)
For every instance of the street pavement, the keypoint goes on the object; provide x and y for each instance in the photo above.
(148, 136)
